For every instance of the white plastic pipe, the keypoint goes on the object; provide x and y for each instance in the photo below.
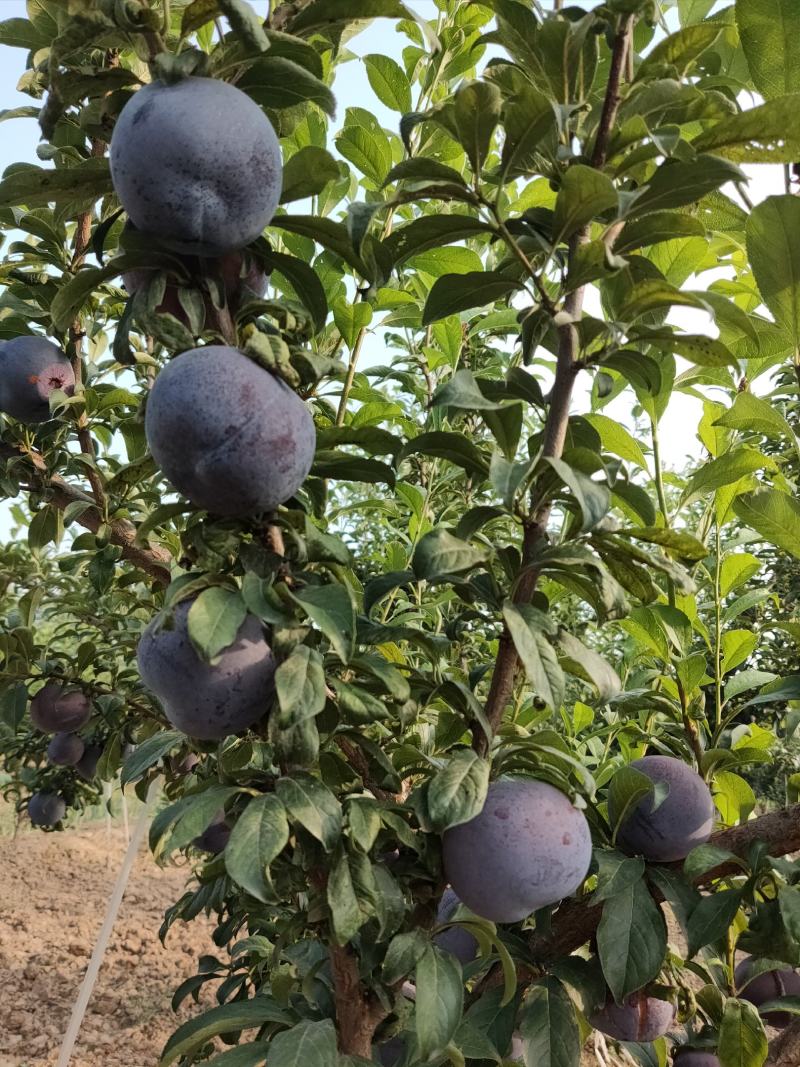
(112, 910)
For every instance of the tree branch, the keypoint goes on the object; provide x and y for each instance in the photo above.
(152, 560)
(784, 1050)
(357, 1013)
(555, 430)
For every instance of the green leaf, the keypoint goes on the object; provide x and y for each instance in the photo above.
(245, 23)
(696, 347)
(310, 802)
(254, 1055)
(389, 82)
(330, 234)
(750, 412)
(308, 1044)
(737, 569)
(774, 255)
(654, 294)
(259, 836)
(742, 1041)
(677, 183)
(592, 497)
(549, 1026)
(457, 793)
(346, 914)
(275, 83)
(36, 187)
(347, 468)
(323, 15)
(536, 653)
(615, 873)
(403, 954)
(463, 391)
(628, 788)
(440, 554)
(351, 319)
(769, 133)
(225, 1019)
(476, 112)
(656, 228)
(419, 169)
(727, 469)
(439, 1000)
(682, 544)
(453, 293)
(583, 662)
(214, 620)
(307, 172)
(432, 231)
(454, 447)
(364, 143)
(585, 193)
(769, 31)
(305, 282)
(615, 438)
(528, 118)
(774, 515)
(631, 940)
(300, 686)
(331, 608)
(680, 49)
(148, 753)
(712, 917)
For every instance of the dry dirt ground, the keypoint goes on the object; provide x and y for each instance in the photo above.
(53, 893)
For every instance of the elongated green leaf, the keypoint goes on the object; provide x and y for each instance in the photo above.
(258, 838)
(766, 134)
(35, 186)
(228, 1018)
(325, 14)
(742, 1041)
(711, 919)
(310, 803)
(439, 554)
(276, 82)
(585, 193)
(770, 34)
(148, 753)
(772, 248)
(300, 686)
(454, 447)
(583, 662)
(680, 49)
(308, 1044)
(536, 653)
(214, 620)
(331, 608)
(305, 282)
(631, 940)
(725, 470)
(458, 792)
(677, 183)
(549, 1026)
(774, 515)
(453, 293)
(389, 82)
(432, 231)
(440, 1000)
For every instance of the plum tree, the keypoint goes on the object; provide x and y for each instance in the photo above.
(640, 1017)
(197, 164)
(456, 939)
(762, 987)
(682, 821)
(227, 433)
(46, 809)
(528, 848)
(31, 368)
(66, 750)
(239, 276)
(694, 1057)
(54, 710)
(207, 700)
(215, 836)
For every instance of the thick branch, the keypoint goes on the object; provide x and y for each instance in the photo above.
(555, 430)
(153, 561)
(357, 1013)
(784, 1050)
(575, 922)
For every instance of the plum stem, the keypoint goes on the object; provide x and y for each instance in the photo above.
(555, 430)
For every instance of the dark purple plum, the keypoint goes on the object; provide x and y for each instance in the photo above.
(87, 764)
(638, 1018)
(56, 710)
(239, 280)
(528, 848)
(196, 164)
(31, 368)
(767, 986)
(693, 1057)
(205, 700)
(228, 434)
(391, 1052)
(46, 809)
(215, 836)
(66, 750)
(456, 939)
(684, 820)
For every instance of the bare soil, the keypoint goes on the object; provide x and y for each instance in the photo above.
(53, 893)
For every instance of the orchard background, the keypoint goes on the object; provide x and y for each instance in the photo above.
(490, 595)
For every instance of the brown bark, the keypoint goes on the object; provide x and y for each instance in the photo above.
(555, 431)
(784, 1050)
(357, 1013)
